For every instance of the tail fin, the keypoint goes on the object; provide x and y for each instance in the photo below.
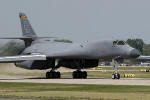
(27, 30)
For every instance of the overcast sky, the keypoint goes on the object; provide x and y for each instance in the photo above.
(79, 20)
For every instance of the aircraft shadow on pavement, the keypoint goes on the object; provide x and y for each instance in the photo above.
(65, 78)
(24, 78)
(91, 78)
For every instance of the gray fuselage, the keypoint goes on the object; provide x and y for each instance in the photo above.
(71, 54)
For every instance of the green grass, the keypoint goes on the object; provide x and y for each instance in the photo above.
(102, 92)
(108, 74)
(91, 74)
(125, 68)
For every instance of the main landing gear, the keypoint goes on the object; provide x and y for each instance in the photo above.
(76, 75)
(79, 74)
(53, 75)
(115, 75)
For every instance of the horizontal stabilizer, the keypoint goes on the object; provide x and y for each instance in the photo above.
(20, 58)
(146, 58)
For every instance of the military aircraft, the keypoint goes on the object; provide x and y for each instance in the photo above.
(41, 53)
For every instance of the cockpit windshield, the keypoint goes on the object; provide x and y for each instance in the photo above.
(117, 42)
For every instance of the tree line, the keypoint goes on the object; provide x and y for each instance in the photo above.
(140, 45)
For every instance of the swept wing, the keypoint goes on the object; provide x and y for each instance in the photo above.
(20, 58)
(144, 58)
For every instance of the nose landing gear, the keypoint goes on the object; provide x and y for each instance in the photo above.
(115, 75)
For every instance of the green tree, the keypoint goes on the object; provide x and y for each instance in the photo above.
(136, 43)
(146, 50)
(11, 48)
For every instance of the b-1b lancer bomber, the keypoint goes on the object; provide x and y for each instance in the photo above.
(42, 54)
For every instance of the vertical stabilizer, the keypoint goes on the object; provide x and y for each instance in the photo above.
(27, 30)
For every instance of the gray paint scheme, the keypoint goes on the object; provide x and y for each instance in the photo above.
(95, 50)
(27, 29)
(21, 58)
(71, 55)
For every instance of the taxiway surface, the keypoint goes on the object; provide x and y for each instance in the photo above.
(123, 81)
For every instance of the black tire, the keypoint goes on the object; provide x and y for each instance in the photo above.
(74, 75)
(51, 75)
(58, 75)
(84, 74)
(113, 76)
(47, 75)
(79, 75)
(117, 75)
(55, 75)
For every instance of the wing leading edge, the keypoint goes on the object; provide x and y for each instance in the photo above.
(20, 58)
(144, 58)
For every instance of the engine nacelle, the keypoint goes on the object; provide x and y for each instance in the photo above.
(40, 64)
(78, 63)
(49, 63)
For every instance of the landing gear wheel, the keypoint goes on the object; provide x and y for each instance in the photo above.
(58, 75)
(47, 75)
(52, 75)
(113, 76)
(116, 76)
(84, 74)
(75, 75)
(79, 75)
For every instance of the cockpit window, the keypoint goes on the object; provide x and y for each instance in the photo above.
(121, 43)
(114, 42)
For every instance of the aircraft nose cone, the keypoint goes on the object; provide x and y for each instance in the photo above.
(134, 53)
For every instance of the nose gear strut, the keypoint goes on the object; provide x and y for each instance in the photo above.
(115, 75)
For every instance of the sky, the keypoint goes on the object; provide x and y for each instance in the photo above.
(79, 20)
